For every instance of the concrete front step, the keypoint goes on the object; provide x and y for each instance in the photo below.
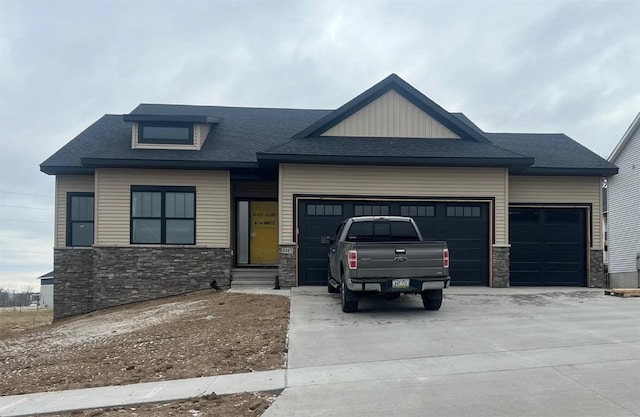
(254, 277)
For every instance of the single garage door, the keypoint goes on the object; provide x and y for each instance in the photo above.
(465, 227)
(548, 246)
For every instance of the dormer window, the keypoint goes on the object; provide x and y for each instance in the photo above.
(175, 132)
(165, 132)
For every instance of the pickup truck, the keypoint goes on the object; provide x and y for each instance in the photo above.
(385, 255)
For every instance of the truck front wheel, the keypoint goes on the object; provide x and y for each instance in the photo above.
(346, 297)
(432, 299)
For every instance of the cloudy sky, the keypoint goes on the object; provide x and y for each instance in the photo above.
(519, 66)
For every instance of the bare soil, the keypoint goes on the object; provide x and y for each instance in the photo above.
(237, 405)
(200, 334)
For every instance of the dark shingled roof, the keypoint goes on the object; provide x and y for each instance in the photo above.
(251, 138)
(394, 151)
(554, 153)
(234, 142)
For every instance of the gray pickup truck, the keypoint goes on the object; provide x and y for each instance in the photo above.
(386, 255)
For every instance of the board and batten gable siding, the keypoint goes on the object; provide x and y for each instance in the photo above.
(623, 214)
(113, 203)
(384, 181)
(561, 190)
(68, 184)
(391, 115)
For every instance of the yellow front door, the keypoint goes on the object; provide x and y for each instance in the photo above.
(264, 233)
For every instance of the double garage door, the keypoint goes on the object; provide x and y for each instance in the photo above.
(548, 245)
(464, 225)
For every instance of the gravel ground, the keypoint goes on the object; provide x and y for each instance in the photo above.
(200, 334)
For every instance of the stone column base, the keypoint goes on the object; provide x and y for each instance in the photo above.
(596, 269)
(287, 266)
(501, 266)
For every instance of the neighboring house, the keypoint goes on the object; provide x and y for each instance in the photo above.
(46, 291)
(623, 216)
(169, 197)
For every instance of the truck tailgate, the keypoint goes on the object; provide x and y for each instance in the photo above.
(399, 260)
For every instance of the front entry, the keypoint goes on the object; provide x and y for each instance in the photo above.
(257, 238)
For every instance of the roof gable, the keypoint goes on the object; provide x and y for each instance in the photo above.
(434, 116)
(626, 138)
(391, 115)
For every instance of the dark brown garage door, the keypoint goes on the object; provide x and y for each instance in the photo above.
(465, 227)
(548, 246)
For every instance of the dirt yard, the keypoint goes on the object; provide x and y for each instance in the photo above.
(201, 334)
(245, 405)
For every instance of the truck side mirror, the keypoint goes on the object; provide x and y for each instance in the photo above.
(326, 240)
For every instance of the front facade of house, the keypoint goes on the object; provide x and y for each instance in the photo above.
(168, 198)
(623, 218)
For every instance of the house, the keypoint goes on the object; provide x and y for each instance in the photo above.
(623, 216)
(46, 290)
(165, 199)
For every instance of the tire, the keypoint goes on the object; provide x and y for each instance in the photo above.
(432, 299)
(330, 288)
(347, 306)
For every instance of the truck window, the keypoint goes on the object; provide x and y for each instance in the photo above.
(382, 231)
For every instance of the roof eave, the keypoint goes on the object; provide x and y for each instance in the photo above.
(164, 164)
(171, 118)
(66, 170)
(511, 163)
(635, 125)
(569, 172)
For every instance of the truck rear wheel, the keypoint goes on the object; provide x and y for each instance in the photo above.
(432, 299)
(346, 296)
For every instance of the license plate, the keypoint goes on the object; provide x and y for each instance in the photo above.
(400, 283)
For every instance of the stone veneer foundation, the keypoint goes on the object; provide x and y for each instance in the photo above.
(101, 277)
(501, 266)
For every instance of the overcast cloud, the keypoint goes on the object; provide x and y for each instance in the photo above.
(520, 66)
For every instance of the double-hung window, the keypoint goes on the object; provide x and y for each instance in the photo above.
(79, 219)
(163, 215)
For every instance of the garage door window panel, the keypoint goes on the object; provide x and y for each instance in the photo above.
(371, 210)
(418, 211)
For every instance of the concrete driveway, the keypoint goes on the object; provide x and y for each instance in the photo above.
(487, 352)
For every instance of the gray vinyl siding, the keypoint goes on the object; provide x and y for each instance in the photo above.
(113, 199)
(623, 214)
(68, 184)
(391, 115)
(396, 182)
(561, 190)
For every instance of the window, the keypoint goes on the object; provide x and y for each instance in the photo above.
(382, 231)
(324, 210)
(562, 216)
(79, 219)
(417, 211)
(163, 215)
(371, 210)
(165, 132)
(463, 211)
